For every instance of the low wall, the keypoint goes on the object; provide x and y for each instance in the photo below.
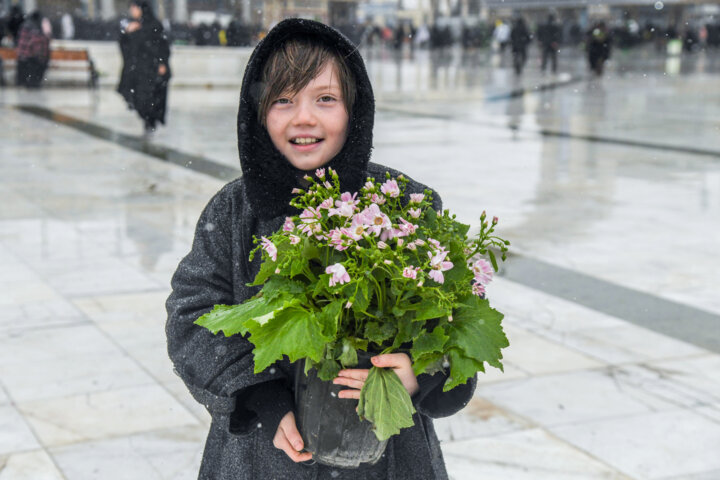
(191, 66)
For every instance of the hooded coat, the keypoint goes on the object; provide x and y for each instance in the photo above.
(143, 51)
(246, 408)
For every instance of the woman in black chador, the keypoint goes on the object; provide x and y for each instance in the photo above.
(145, 72)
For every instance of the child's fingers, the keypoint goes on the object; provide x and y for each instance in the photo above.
(355, 394)
(391, 360)
(354, 373)
(283, 444)
(349, 382)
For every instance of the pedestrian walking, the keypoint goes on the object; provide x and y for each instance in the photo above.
(33, 52)
(549, 35)
(14, 22)
(304, 81)
(501, 35)
(146, 72)
(519, 39)
(599, 44)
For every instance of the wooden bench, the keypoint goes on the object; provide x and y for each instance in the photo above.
(60, 59)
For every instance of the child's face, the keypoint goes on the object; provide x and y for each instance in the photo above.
(309, 128)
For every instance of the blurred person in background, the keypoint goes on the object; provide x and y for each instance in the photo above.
(501, 35)
(519, 39)
(33, 52)
(598, 47)
(146, 72)
(67, 26)
(14, 22)
(549, 36)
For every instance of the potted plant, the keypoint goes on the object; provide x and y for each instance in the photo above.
(374, 271)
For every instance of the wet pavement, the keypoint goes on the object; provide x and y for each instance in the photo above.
(608, 187)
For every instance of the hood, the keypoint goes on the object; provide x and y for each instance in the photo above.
(268, 177)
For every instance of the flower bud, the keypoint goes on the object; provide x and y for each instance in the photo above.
(495, 220)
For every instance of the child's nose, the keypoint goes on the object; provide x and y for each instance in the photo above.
(304, 114)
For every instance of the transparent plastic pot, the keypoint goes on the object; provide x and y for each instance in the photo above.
(330, 426)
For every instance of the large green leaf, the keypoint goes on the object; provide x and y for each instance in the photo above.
(277, 286)
(379, 332)
(429, 308)
(328, 318)
(461, 369)
(328, 369)
(430, 363)
(293, 332)
(348, 357)
(231, 319)
(385, 403)
(429, 342)
(477, 332)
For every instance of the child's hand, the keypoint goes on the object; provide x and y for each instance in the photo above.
(288, 439)
(355, 377)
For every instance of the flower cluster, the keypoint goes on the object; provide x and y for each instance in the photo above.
(381, 269)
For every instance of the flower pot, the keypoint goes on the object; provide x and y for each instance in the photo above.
(330, 426)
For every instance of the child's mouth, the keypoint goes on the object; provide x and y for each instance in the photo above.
(305, 140)
(305, 144)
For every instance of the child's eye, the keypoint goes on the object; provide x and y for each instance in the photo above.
(282, 101)
(327, 98)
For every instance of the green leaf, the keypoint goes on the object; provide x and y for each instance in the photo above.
(231, 319)
(328, 369)
(310, 250)
(476, 330)
(408, 330)
(461, 228)
(348, 357)
(379, 332)
(461, 369)
(429, 342)
(267, 268)
(429, 363)
(293, 332)
(328, 318)
(385, 403)
(428, 308)
(278, 286)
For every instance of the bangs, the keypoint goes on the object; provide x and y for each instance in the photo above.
(293, 65)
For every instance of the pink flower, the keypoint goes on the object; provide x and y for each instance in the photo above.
(289, 225)
(375, 220)
(419, 242)
(270, 248)
(294, 239)
(320, 173)
(416, 197)
(340, 238)
(295, 191)
(339, 274)
(390, 188)
(390, 233)
(437, 276)
(310, 217)
(327, 184)
(483, 271)
(357, 228)
(412, 246)
(478, 289)
(348, 305)
(415, 212)
(400, 242)
(379, 199)
(382, 245)
(407, 228)
(326, 204)
(439, 265)
(345, 206)
(409, 272)
(436, 244)
(369, 185)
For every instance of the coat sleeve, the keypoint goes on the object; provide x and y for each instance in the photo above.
(218, 370)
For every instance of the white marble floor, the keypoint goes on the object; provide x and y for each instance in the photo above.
(90, 232)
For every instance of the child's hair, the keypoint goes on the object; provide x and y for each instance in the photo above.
(294, 64)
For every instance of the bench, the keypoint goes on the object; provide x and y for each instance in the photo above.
(60, 59)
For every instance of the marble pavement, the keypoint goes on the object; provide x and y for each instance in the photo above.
(617, 179)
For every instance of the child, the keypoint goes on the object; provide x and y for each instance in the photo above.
(306, 102)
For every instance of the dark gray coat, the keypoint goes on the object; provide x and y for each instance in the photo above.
(246, 408)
